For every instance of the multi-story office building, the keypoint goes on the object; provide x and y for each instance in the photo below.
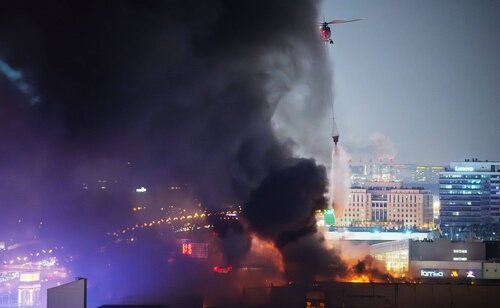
(389, 202)
(358, 208)
(428, 174)
(469, 194)
(388, 171)
(382, 171)
(413, 207)
(379, 194)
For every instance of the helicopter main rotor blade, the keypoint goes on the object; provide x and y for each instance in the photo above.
(341, 21)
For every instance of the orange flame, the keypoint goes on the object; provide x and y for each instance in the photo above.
(267, 250)
(360, 278)
(364, 271)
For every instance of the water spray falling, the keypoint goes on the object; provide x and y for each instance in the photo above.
(340, 177)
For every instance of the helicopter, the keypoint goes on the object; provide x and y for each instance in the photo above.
(325, 32)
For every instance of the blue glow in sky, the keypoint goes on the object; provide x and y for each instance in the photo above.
(16, 76)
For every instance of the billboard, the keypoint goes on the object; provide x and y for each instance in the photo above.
(195, 250)
(69, 295)
(329, 217)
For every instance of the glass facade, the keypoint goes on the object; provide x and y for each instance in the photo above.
(394, 255)
(469, 194)
(495, 195)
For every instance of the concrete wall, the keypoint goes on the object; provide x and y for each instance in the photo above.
(491, 270)
(445, 250)
(359, 295)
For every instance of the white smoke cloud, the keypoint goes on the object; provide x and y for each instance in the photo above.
(303, 117)
(377, 146)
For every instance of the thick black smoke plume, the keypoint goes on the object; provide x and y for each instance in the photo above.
(283, 210)
(150, 93)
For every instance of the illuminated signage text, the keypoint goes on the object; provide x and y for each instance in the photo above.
(462, 169)
(431, 273)
(459, 259)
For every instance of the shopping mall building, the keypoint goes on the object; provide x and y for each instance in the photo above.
(439, 259)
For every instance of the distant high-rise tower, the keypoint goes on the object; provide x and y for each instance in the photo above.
(469, 193)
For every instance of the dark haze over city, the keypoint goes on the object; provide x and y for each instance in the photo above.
(156, 94)
(120, 119)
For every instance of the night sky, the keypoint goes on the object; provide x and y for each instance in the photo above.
(180, 90)
(232, 100)
(156, 94)
(424, 74)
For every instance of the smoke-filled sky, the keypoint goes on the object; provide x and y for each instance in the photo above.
(182, 91)
(227, 97)
(409, 76)
(424, 74)
(154, 94)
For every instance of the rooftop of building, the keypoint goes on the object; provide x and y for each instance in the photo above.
(476, 160)
(385, 186)
(474, 165)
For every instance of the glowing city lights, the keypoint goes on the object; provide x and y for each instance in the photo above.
(222, 269)
(141, 189)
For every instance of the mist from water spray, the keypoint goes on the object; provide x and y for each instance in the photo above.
(340, 182)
